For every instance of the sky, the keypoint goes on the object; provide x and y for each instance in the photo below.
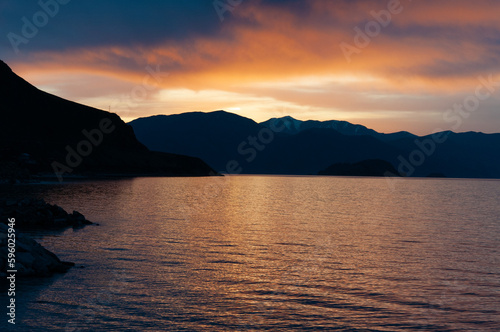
(420, 66)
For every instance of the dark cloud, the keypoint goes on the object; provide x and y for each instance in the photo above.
(428, 53)
(442, 69)
(298, 6)
(91, 23)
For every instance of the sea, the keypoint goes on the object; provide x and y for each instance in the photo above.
(268, 253)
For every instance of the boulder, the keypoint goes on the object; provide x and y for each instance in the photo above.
(32, 260)
(37, 214)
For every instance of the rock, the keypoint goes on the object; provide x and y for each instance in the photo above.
(78, 216)
(49, 214)
(32, 260)
(37, 214)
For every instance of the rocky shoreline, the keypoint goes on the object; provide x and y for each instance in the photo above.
(33, 214)
(31, 259)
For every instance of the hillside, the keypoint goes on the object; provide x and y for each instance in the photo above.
(293, 126)
(234, 144)
(43, 133)
(223, 139)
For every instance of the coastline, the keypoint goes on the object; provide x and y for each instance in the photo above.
(18, 251)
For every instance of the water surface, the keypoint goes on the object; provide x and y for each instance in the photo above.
(271, 253)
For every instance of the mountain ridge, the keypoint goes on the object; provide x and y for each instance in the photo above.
(289, 146)
(344, 127)
(43, 133)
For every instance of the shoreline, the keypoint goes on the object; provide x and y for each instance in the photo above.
(20, 254)
(34, 179)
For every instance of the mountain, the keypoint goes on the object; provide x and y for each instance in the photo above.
(213, 137)
(234, 144)
(43, 133)
(293, 126)
(461, 155)
(312, 150)
(371, 167)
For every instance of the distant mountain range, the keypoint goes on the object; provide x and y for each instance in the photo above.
(42, 133)
(293, 126)
(234, 144)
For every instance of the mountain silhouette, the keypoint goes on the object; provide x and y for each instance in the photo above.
(221, 138)
(209, 136)
(461, 155)
(48, 134)
(235, 144)
(294, 126)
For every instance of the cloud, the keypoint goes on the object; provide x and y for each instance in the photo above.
(430, 54)
(94, 23)
(270, 39)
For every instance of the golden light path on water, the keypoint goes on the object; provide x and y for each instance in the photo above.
(275, 253)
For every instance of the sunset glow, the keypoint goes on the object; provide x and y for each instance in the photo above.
(268, 59)
(252, 165)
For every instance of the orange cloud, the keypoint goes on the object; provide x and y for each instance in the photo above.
(430, 53)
